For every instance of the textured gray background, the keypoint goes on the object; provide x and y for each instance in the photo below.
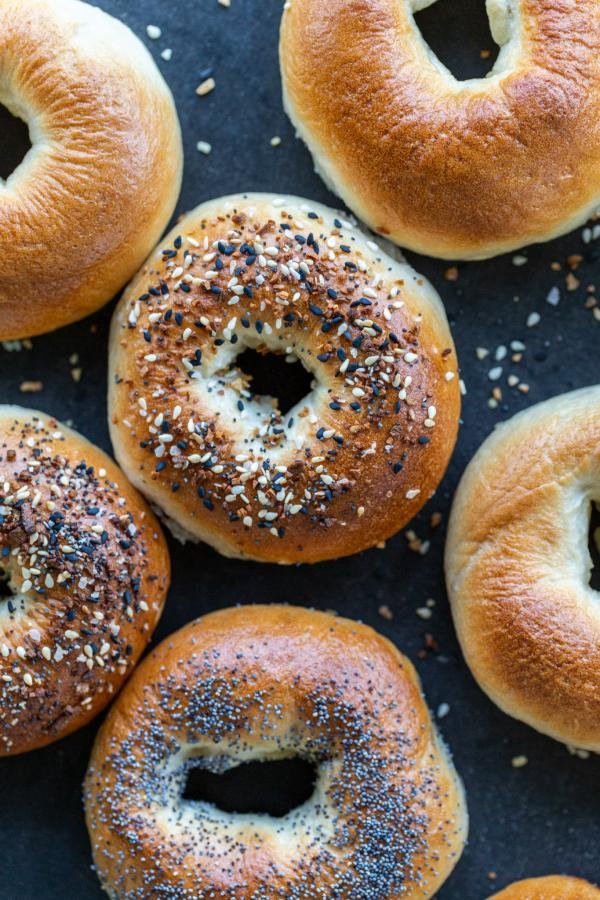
(530, 821)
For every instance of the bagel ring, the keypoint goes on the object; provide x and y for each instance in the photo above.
(98, 186)
(454, 169)
(386, 820)
(351, 462)
(518, 567)
(553, 887)
(85, 569)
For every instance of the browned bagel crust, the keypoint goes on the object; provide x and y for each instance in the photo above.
(453, 169)
(368, 455)
(553, 887)
(518, 567)
(262, 682)
(89, 570)
(92, 197)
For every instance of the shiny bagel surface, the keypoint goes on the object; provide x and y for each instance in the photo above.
(354, 460)
(518, 567)
(387, 817)
(455, 169)
(96, 190)
(552, 887)
(86, 571)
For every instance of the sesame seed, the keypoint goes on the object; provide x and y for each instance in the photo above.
(205, 87)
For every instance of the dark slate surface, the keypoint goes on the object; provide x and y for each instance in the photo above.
(529, 821)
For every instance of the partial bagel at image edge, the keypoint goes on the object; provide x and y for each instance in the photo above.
(388, 815)
(85, 569)
(452, 169)
(97, 188)
(518, 567)
(550, 887)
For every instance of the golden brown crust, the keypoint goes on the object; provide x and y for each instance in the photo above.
(518, 567)
(93, 195)
(87, 570)
(553, 887)
(261, 682)
(453, 169)
(349, 465)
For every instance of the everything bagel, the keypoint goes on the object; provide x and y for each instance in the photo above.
(456, 169)
(518, 567)
(352, 461)
(386, 820)
(85, 569)
(96, 190)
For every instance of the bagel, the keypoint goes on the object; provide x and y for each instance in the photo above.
(387, 818)
(95, 192)
(352, 461)
(84, 571)
(518, 567)
(454, 169)
(553, 887)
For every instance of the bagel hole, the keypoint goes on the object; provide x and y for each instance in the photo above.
(594, 545)
(274, 787)
(15, 143)
(271, 375)
(458, 33)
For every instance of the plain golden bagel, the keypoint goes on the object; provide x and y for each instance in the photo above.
(518, 567)
(553, 887)
(387, 819)
(455, 169)
(96, 190)
(85, 570)
(353, 460)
